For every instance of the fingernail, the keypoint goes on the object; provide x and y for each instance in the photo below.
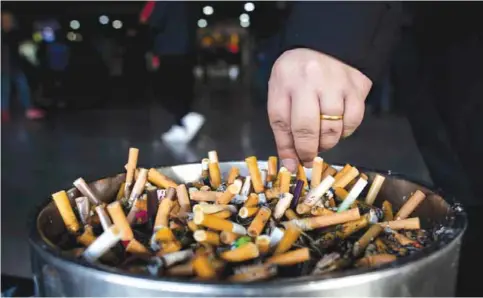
(308, 165)
(347, 134)
(290, 164)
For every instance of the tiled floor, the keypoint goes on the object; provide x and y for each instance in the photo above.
(39, 158)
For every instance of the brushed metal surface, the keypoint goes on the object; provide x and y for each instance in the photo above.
(429, 273)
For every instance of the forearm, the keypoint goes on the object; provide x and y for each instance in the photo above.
(360, 34)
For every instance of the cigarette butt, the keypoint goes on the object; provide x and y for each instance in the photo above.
(329, 171)
(401, 239)
(103, 217)
(119, 219)
(160, 180)
(387, 210)
(282, 205)
(259, 222)
(374, 189)
(231, 191)
(272, 168)
(205, 196)
(341, 193)
(246, 252)
(169, 247)
(317, 167)
(263, 243)
(174, 210)
(302, 209)
(320, 211)
(285, 177)
(292, 233)
(164, 234)
(367, 238)
(256, 273)
(311, 223)
(228, 237)
(375, 260)
(102, 244)
(203, 268)
(205, 188)
(183, 198)
(136, 248)
(205, 173)
(351, 227)
(411, 204)
(343, 171)
(252, 164)
(131, 165)
(247, 186)
(214, 166)
(121, 192)
(353, 195)
(66, 212)
(316, 193)
(86, 191)
(252, 200)
(207, 237)
(212, 208)
(301, 174)
(162, 216)
(181, 270)
(272, 193)
(232, 175)
(403, 224)
(218, 224)
(290, 258)
(223, 214)
(138, 188)
(83, 208)
(192, 226)
(246, 212)
(290, 214)
(276, 236)
(346, 177)
(87, 237)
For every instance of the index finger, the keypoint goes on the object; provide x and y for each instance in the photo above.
(279, 105)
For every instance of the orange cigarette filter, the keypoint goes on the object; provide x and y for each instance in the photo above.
(218, 224)
(403, 240)
(346, 177)
(290, 258)
(252, 200)
(341, 193)
(231, 191)
(317, 167)
(272, 168)
(203, 268)
(387, 210)
(246, 212)
(169, 247)
(119, 219)
(62, 202)
(181, 270)
(290, 214)
(403, 224)
(132, 162)
(174, 210)
(162, 216)
(367, 238)
(252, 164)
(223, 214)
(228, 237)
(259, 222)
(272, 193)
(121, 192)
(214, 167)
(292, 233)
(164, 234)
(263, 243)
(192, 226)
(136, 248)
(320, 211)
(351, 227)
(205, 196)
(301, 175)
(285, 177)
(375, 260)
(246, 252)
(160, 180)
(87, 237)
(232, 175)
(343, 171)
(183, 198)
(329, 171)
(311, 223)
(207, 237)
(411, 204)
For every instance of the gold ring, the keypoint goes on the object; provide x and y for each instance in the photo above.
(330, 118)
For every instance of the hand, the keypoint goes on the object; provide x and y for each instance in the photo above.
(303, 85)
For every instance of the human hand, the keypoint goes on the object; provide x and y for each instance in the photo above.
(304, 84)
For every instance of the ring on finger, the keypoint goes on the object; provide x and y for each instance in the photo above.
(330, 117)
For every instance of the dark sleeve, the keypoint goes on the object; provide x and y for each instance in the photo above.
(360, 34)
(158, 16)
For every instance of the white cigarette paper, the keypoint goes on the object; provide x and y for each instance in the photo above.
(103, 217)
(282, 205)
(276, 236)
(102, 244)
(86, 191)
(316, 194)
(83, 206)
(353, 194)
(247, 185)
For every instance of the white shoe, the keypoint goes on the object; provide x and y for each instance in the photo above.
(176, 134)
(192, 123)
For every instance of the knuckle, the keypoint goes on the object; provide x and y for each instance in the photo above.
(280, 125)
(305, 133)
(329, 133)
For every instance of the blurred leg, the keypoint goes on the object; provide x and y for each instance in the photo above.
(5, 92)
(23, 90)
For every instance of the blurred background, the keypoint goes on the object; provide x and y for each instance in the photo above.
(92, 76)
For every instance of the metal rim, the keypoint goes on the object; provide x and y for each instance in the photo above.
(327, 281)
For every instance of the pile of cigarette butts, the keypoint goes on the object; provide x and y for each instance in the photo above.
(268, 224)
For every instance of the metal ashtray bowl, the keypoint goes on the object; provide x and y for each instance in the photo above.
(431, 272)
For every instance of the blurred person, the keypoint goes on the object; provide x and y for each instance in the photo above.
(174, 44)
(11, 71)
(135, 70)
